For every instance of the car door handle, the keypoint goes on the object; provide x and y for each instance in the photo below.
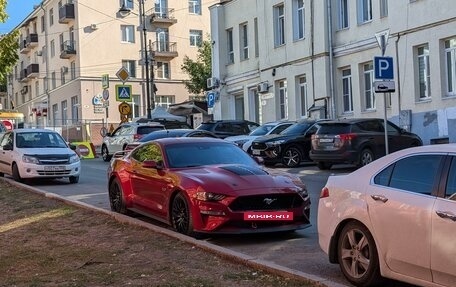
(379, 198)
(446, 214)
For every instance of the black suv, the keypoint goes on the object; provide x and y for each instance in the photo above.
(290, 147)
(357, 141)
(226, 128)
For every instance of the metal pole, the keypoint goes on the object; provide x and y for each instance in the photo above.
(146, 60)
(385, 124)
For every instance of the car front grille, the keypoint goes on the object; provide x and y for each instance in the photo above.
(266, 202)
(53, 159)
(54, 172)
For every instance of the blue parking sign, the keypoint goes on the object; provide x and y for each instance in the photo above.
(210, 99)
(383, 68)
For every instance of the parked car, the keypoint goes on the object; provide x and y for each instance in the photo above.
(272, 128)
(126, 133)
(395, 217)
(357, 141)
(191, 133)
(226, 128)
(169, 124)
(206, 185)
(38, 153)
(290, 147)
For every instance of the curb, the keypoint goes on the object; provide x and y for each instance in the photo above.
(223, 252)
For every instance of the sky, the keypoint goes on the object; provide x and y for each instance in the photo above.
(17, 10)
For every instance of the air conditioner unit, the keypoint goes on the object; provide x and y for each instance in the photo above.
(64, 70)
(263, 87)
(212, 82)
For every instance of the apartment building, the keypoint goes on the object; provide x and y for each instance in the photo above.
(276, 59)
(67, 46)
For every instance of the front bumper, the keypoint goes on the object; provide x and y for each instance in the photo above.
(29, 170)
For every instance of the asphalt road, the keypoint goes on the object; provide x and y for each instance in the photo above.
(299, 250)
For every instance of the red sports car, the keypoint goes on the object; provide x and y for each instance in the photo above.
(206, 185)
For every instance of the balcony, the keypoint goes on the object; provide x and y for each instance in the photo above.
(23, 75)
(30, 42)
(33, 70)
(166, 17)
(165, 49)
(66, 13)
(67, 49)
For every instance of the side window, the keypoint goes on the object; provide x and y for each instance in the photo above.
(371, 126)
(310, 131)
(279, 129)
(148, 152)
(117, 131)
(391, 129)
(450, 191)
(7, 139)
(416, 174)
(128, 130)
(223, 128)
(239, 129)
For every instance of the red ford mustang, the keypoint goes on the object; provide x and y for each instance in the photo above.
(205, 185)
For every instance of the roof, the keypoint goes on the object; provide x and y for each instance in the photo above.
(189, 140)
(34, 131)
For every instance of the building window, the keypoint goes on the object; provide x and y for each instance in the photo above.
(283, 100)
(43, 24)
(52, 48)
(135, 105)
(62, 48)
(126, 4)
(369, 96)
(164, 101)
(196, 38)
(194, 7)
(64, 106)
(44, 54)
(383, 8)
(128, 33)
(163, 70)
(229, 40)
(73, 70)
(75, 109)
(450, 60)
(53, 80)
(302, 94)
(343, 14)
(37, 88)
(51, 16)
(62, 76)
(364, 11)
(347, 90)
(298, 19)
(279, 25)
(424, 72)
(130, 65)
(244, 41)
(55, 114)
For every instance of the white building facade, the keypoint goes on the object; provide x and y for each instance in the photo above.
(66, 46)
(317, 60)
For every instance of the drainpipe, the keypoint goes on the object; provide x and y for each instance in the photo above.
(398, 75)
(312, 48)
(332, 101)
(46, 83)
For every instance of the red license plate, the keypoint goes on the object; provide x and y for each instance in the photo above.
(268, 216)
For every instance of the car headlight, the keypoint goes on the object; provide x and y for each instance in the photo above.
(275, 143)
(209, 196)
(30, 159)
(74, 158)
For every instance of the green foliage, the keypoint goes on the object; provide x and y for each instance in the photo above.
(9, 44)
(3, 15)
(200, 70)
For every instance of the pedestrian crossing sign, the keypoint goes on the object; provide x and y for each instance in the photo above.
(123, 93)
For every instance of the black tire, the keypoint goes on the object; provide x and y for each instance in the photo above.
(74, 179)
(365, 157)
(116, 198)
(105, 153)
(324, 165)
(357, 255)
(181, 218)
(15, 173)
(292, 157)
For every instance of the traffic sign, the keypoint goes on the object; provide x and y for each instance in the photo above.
(210, 99)
(383, 68)
(105, 94)
(124, 108)
(123, 93)
(123, 74)
(384, 87)
(382, 40)
(105, 81)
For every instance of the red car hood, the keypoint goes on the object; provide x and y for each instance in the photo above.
(230, 179)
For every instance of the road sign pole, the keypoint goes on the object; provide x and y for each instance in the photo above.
(385, 123)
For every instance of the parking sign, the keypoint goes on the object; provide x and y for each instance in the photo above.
(383, 68)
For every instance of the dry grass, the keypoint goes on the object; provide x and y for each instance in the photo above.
(45, 242)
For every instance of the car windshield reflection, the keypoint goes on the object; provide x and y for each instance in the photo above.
(39, 140)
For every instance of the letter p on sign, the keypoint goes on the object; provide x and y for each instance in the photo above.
(383, 67)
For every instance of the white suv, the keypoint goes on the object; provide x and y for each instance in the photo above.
(125, 134)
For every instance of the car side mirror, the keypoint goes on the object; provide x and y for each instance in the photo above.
(108, 134)
(8, 146)
(72, 146)
(158, 165)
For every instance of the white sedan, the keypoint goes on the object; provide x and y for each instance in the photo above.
(394, 218)
(37, 153)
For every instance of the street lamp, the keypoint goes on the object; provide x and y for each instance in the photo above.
(142, 14)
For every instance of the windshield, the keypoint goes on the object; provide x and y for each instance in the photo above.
(262, 130)
(186, 155)
(40, 140)
(296, 129)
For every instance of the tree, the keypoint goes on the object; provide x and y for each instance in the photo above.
(9, 44)
(198, 70)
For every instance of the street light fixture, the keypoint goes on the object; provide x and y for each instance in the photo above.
(123, 11)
